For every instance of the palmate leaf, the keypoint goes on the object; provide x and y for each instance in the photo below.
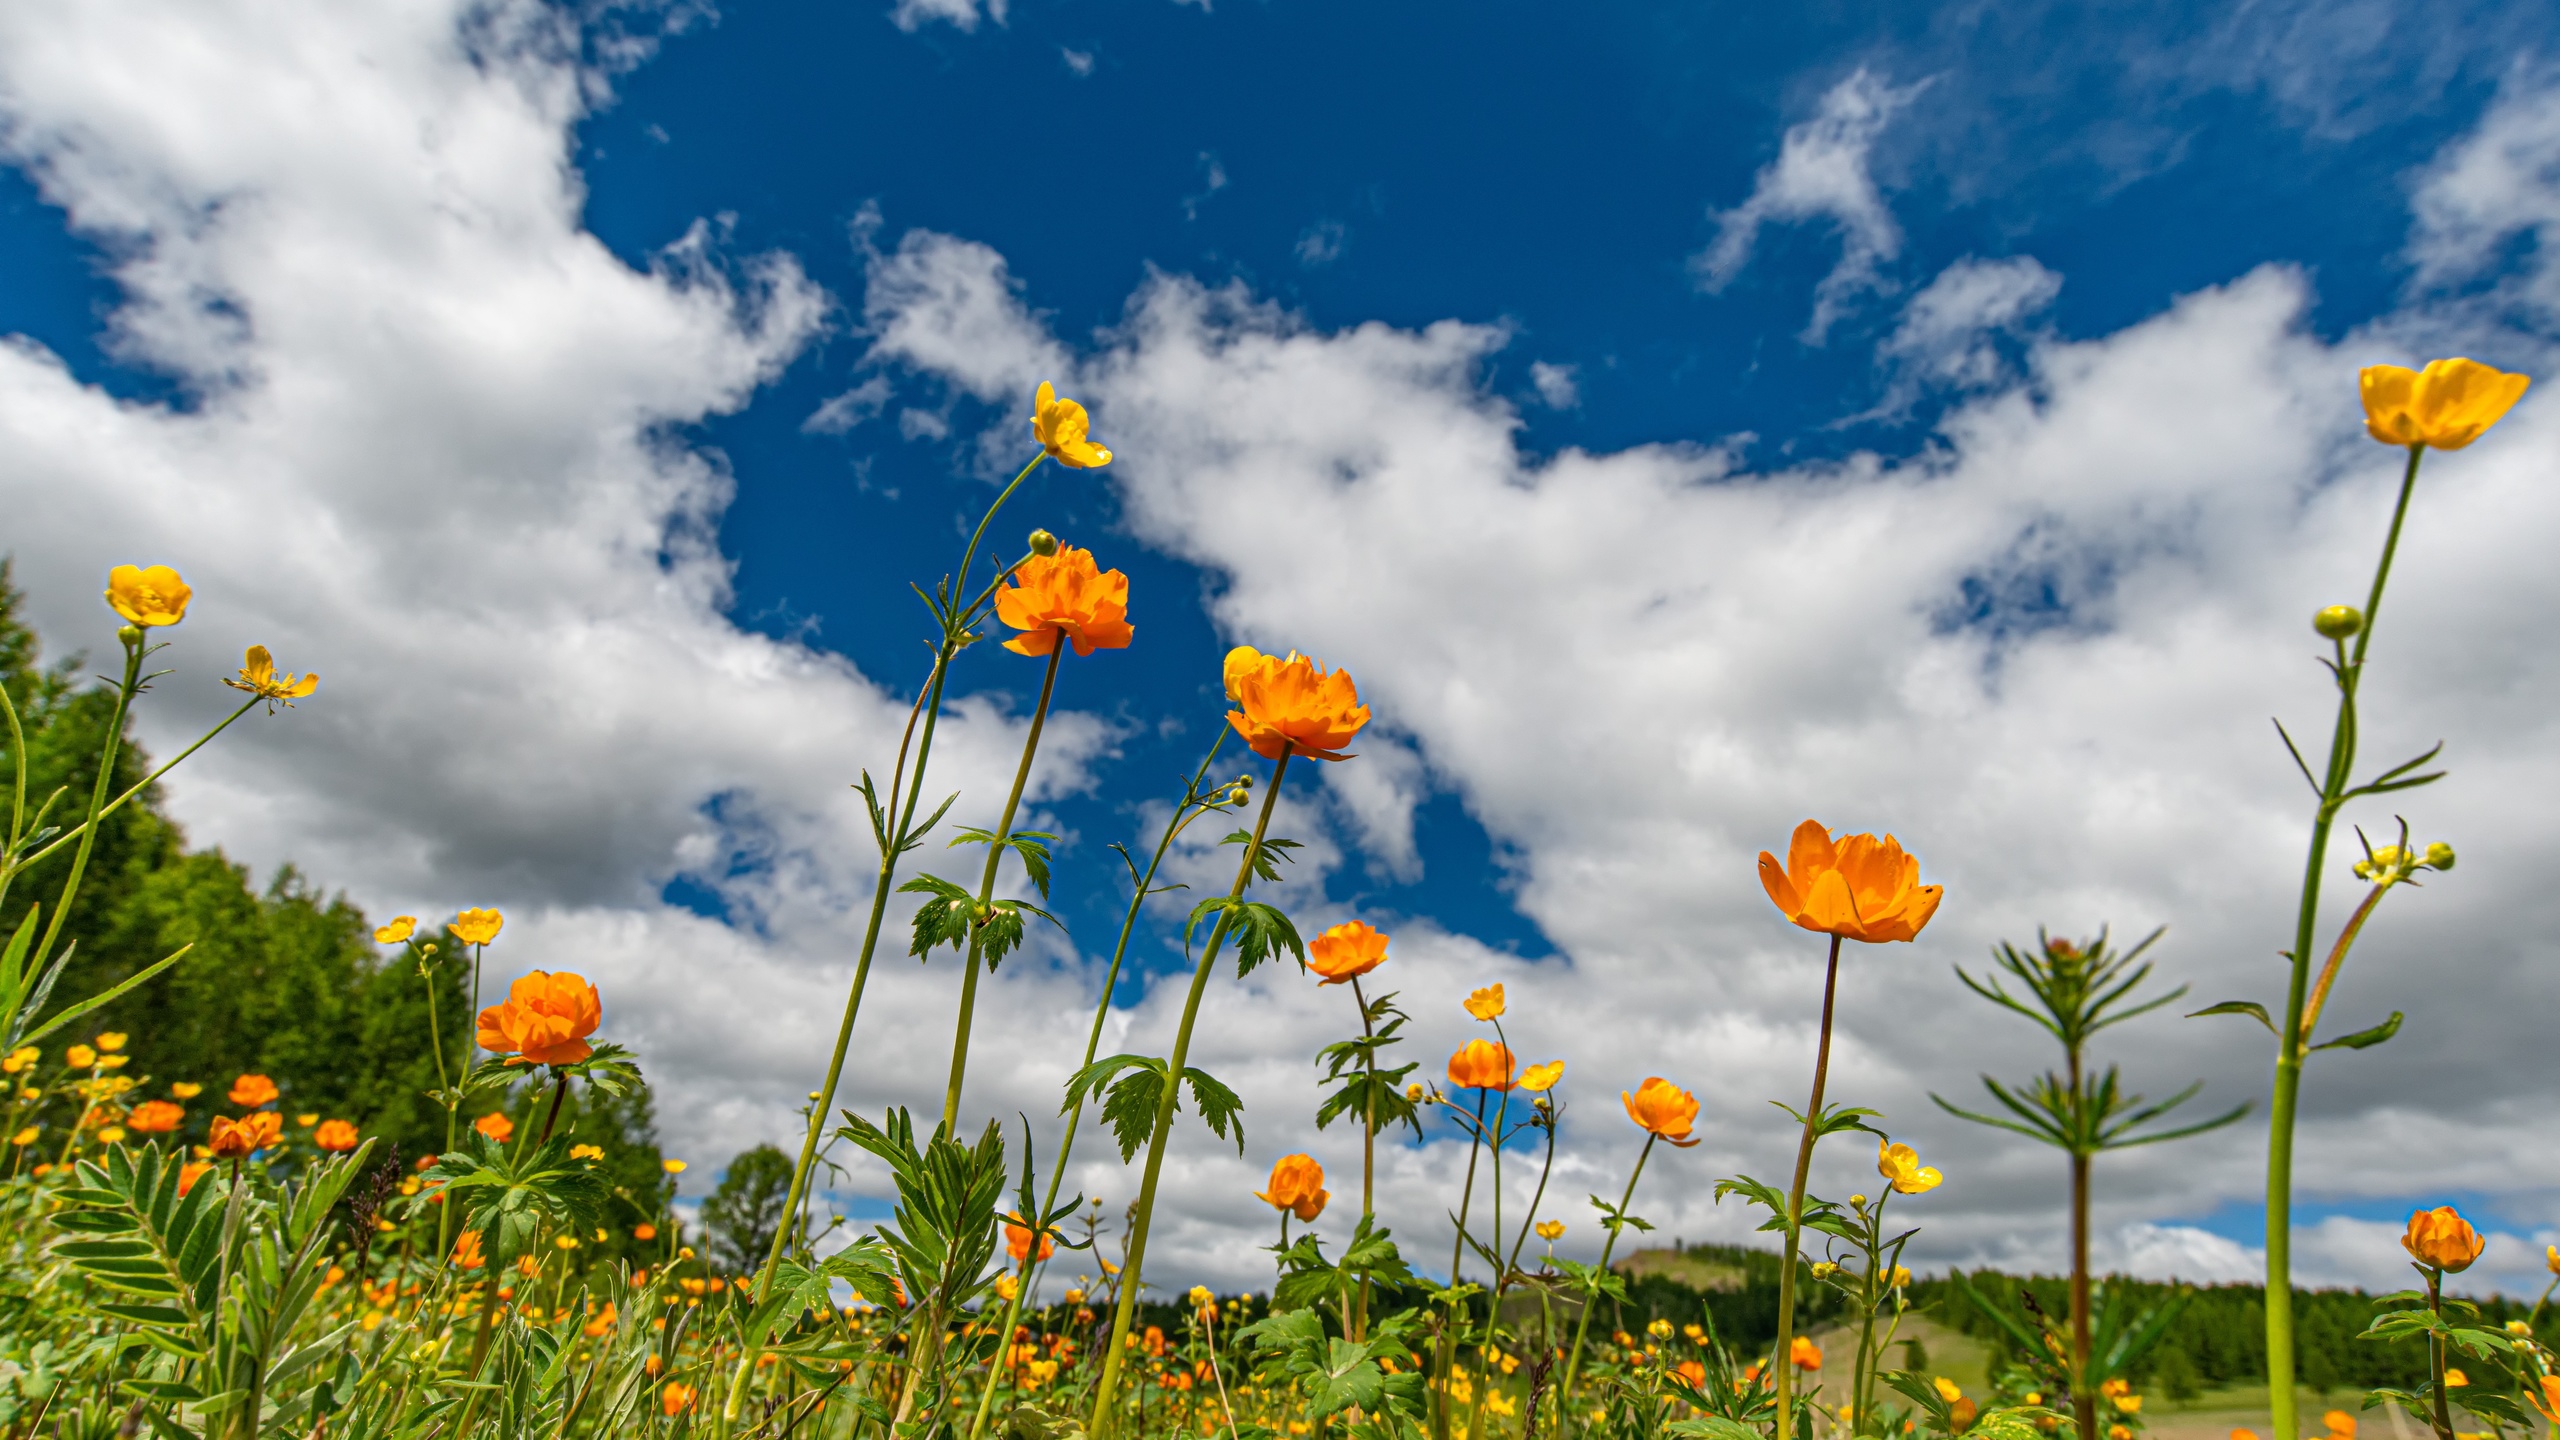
(1261, 931)
(1031, 845)
(1130, 1103)
(943, 920)
(1352, 1098)
(1266, 859)
(511, 1199)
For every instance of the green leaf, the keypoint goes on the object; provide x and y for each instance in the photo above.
(1261, 931)
(1713, 1427)
(1219, 1106)
(943, 920)
(1266, 859)
(2365, 1039)
(1130, 1108)
(103, 997)
(2250, 1008)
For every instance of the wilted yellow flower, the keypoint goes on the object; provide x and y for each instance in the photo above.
(2443, 1239)
(1542, 1077)
(1550, 1229)
(258, 677)
(1901, 1165)
(79, 1057)
(1062, 428)
(477, 927)
(401, 928)
(112, 1041)
(1824, 1269)
(148, 597)
(2447, 405)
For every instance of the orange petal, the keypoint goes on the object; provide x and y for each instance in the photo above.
(1782, 892)
(1830, 907)
(1809, 853)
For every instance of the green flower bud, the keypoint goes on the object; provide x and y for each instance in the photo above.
(2439, 856)
(2338, 622)
(1043, 543)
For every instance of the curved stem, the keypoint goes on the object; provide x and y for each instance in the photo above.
(1105, 1387)
(987, 888)
(133, 652)
(2286, 1092)
(1591, 1300)
(145, 783)
(1782, 1363)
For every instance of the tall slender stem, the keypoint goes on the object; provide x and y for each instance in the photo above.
(2435, 1355)
(134, 646)
(2291, 1048)
(1359, 1325)
(1457, 1251)
(987, 889)
(1106, 1386)
(1591, 1301)
(1795, 1201)
(2084, 1396)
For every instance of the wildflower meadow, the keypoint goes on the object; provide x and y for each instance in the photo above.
(204, 1254)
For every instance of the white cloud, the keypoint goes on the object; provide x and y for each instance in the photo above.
(2497, 183)
(1555, 385)
(1322, 243)
(1079, 62)
(1213, 178)
(962, 15)
(1949, 334)
(1821, 173)
(840, 413)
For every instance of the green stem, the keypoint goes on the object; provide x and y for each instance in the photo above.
(2435, 1354)
(145, 783)
(987, 888)
(2290, 1047)
(1107, 1385)
(1359, 1323)
(1784, 1355)
(1190, 810)
(133, 652)
(1447, 1358)
(1591, 1301)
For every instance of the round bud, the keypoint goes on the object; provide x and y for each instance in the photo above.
(429, 948)
(1238, 796)
(131, 635)
(2338, 622)
(813, 1094)
(2439, 856)
(1043, 543)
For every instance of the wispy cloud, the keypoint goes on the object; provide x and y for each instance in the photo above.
(1821, 173)
(1951, 333)
(1322, 243)
(913, 15)
(1213, 178)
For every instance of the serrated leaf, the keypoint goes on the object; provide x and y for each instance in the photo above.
(1130, 1108)
(1218, 1105)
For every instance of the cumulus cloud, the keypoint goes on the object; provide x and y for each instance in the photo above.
(961, 15)
(1949, 337)
(1555, 385)
(2495, 185)
(1821, 173)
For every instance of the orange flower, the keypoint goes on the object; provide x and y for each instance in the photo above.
(1064, 594)
(675, 1399)
(1481, 1065)
(1061, 428)
(155, 1117)
(2442, 1239)
(1691, 1374)
(190, 1173)
(644, 1231)
(1805, 1355)
(1663, 1108)
(545, 1021)
(1347, 950)
(1292, 704)
(238, 1139)
(2547, 1400)
(1017, 1242)
(601, 1324)
(466, 1251)
(496, 1126)
(148, 597)
(1297, 1185)
(1859, 888)
(1485, 1004)
(252, 1091)
(2447, 405)
(477, 927)
(1542, 1077)
(336, 1136)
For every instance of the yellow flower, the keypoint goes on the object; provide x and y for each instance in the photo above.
(401, 928)
(112, 1135)
(1292, 704)
(258, 677)
(1062, 428)
(148, 597)
(1550, 1230)
(114, 1062)
(1542, 1077)
(25, 1137)
(1901, 1165)
(1663, 1108)
(1859, 888)
(2129, 1404)
(26, 1055)
(2453, 1379)
(1485, 1004)
(586, 1152)
(1901, 1276)
(1007, 1287)
(112, 1041)
(2447, 405)
(306, 1121)
(185, 1089)
(1948, 1390)
(477, 927)
(2551, 1258)
(2441, 1238)
(672, 1167)
(79, 1057)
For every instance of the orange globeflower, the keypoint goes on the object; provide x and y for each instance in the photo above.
(1291, 703)
(2548, 1400)
(1346, 951)
(644, 1231)
(477, 927)
(2442, 1239)
(1859, 888)
(496, 1126)
(2447, 405)
(238, 1139)
(466, 1251)
(252, 1091)
(155, 1117)
(1017, 1242)
(336, 1136)
(1542, 1077)
(1481, 1065)
(1663, 1108)
(1065, 594)
(1805, 1355)
(148, 597)
(545, 1021)
(190, 1173)
(1297, 1185)
(1062, 428)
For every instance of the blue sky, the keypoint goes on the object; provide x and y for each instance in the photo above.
(1679, 420)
